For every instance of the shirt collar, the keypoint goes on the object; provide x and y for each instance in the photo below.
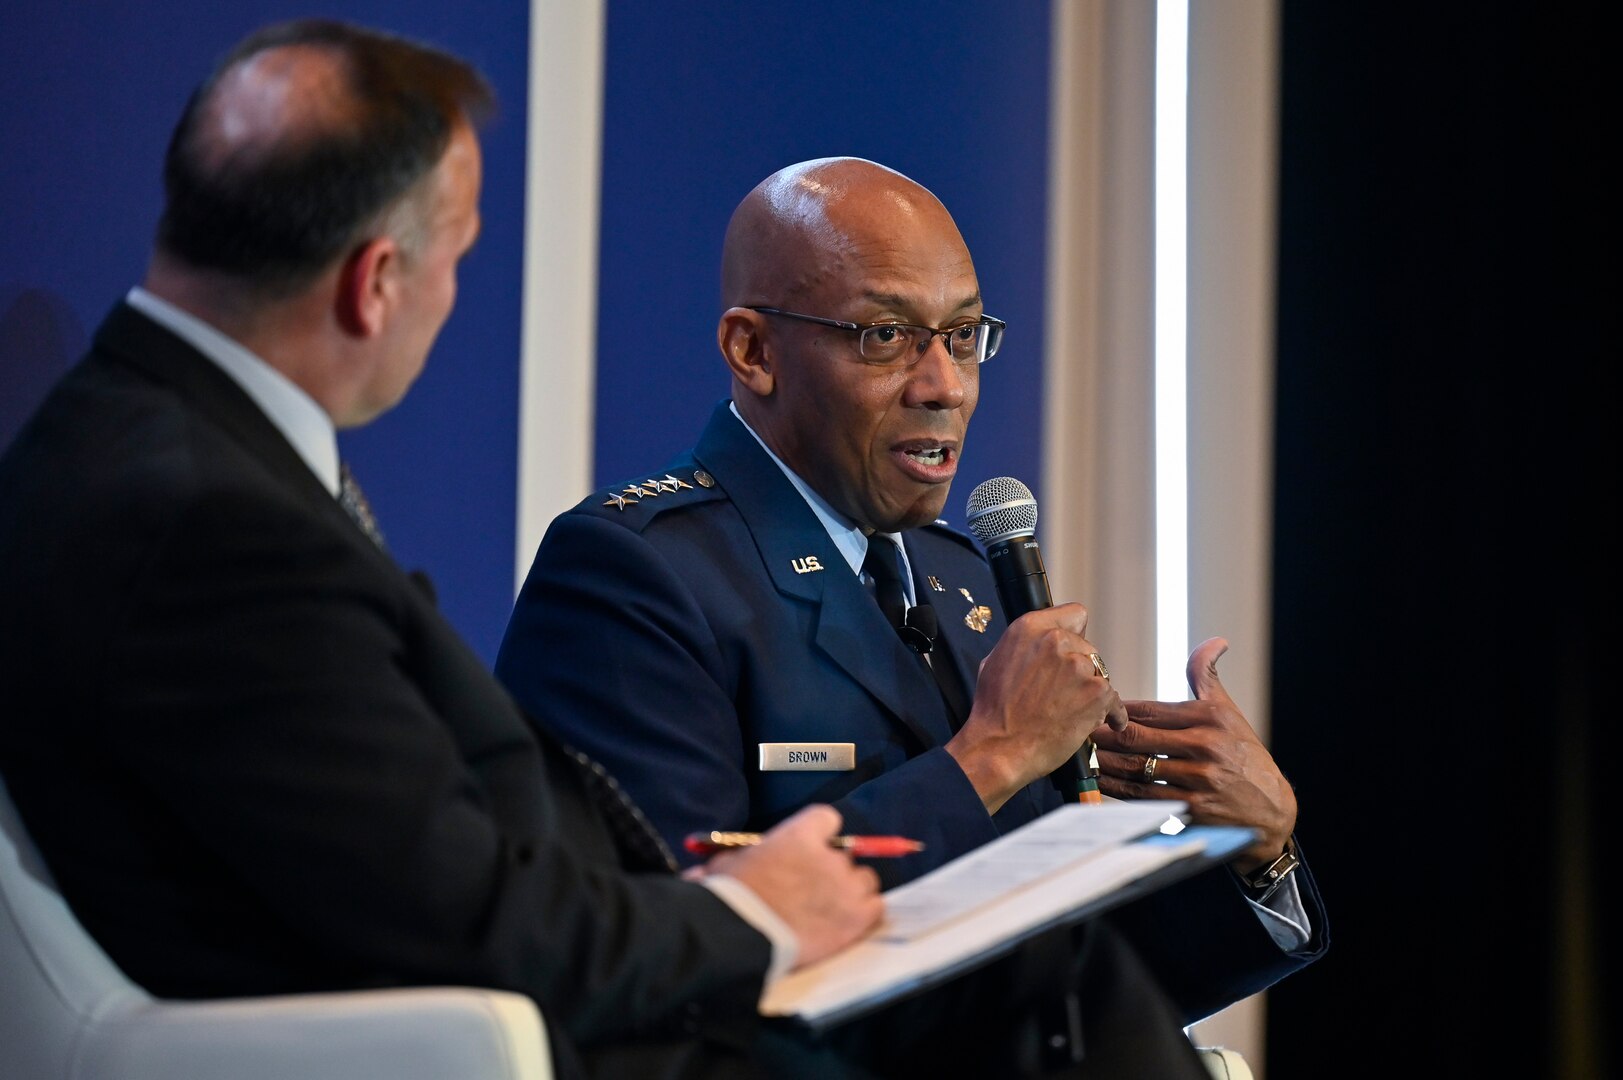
(848, 537)
(304, 424)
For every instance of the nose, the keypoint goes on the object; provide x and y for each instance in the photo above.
(935, 380)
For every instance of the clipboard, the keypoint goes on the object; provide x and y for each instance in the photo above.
(1068, 866)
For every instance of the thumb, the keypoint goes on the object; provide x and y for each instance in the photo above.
(1202, 670)
(818, 821)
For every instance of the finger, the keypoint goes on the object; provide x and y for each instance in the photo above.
(1125, 741)
(1136, 787)
(1145, 770)
(1120, 763)
(1202, 670)
(1072, 617)
(1077, 613)
(1088, 648)
(1116, 718)
(818, 820)
(1169, 715)
(1139, 740)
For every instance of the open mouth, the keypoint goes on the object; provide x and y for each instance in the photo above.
(931, 455)
(926, 461)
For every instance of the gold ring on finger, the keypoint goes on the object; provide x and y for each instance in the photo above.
(1150, 762)
(1099, 665)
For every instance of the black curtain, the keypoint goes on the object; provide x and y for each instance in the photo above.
(1445, 538)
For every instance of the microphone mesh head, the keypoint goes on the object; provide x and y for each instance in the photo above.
(1000, 508)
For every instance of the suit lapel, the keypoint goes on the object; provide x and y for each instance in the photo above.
(955, 612)
(959, 647)
(803, 564)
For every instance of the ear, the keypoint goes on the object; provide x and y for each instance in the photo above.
(368, 286)
(743, 346)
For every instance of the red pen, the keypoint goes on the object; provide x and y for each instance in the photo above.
(862, 847)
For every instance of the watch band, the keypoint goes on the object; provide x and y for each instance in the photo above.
(1265, 882)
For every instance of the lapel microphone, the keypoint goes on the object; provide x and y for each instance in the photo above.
(920, 630)
(1003, 516)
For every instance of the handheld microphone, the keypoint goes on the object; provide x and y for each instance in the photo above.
(1003, 516)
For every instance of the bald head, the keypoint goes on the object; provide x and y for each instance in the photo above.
(815, 253)
(800, 228)
(303, 139)
(272, 104)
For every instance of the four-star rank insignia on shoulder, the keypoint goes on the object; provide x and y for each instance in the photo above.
(977, 618)
(652, 488)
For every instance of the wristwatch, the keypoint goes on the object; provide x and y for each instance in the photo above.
(1263, 883)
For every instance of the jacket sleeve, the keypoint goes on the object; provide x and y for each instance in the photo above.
(1208, 947)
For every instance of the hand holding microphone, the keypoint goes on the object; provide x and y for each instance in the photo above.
(1003, 516)
(1042, 691)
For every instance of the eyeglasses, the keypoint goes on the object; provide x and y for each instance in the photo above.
(902, 344)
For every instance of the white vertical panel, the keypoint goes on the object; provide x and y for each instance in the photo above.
(1233, 110)
(1233, 130)
(1098, 454)
(561, 204)
(1097, 526)
(1069, 483)
(1171, 347)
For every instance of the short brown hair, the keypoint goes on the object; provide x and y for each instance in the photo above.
(276, 220)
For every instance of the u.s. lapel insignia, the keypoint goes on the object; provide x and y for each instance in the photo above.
(619, 502)
(935, 583)
(703, 479)
(806, 564)
(979, 616)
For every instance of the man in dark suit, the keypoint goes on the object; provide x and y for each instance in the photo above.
(254, 756)
(736, 579)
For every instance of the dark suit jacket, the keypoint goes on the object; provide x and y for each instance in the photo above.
(669, 632)
(259, 761)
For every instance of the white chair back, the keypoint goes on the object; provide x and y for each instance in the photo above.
(54, 980)
(68, 1013)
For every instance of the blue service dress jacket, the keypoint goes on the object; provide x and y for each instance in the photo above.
(675, 624)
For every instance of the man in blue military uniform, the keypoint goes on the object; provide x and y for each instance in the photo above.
(711, 630)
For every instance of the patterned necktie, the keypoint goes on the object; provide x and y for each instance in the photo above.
(353, 500)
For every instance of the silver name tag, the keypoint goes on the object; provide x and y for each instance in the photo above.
(808, 756)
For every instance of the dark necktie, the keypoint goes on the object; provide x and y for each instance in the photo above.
(882, 572)
(882, 569)
(353, 500)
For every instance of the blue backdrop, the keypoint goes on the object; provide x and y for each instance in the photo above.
(699, 109)
(90, 91)
(701, 101)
